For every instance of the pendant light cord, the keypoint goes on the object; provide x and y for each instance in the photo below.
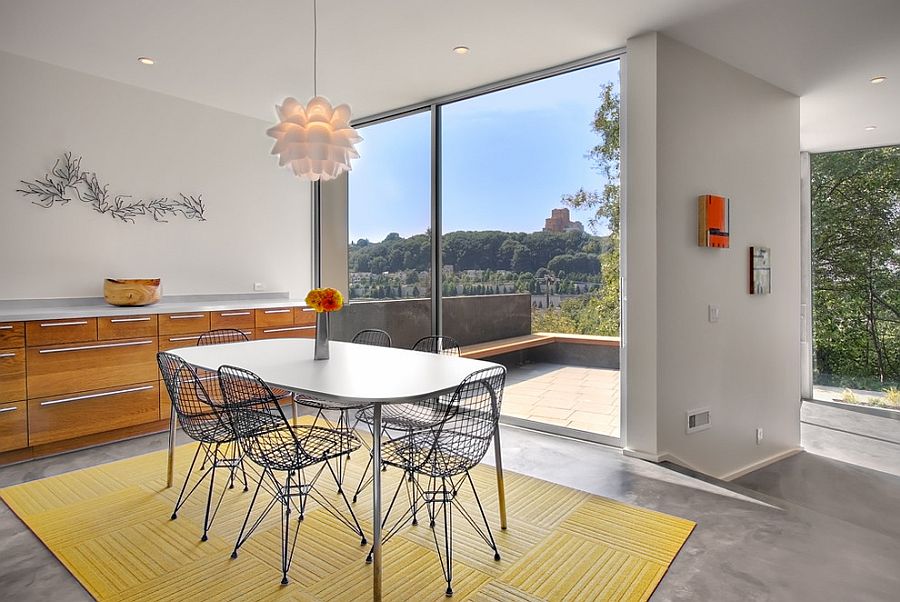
(315, 48)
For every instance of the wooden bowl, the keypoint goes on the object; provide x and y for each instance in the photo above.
(131, 291)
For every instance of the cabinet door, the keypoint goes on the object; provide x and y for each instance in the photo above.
(12, 374)
(62, 369)
(287, 332)
(52, 332)
(239, 319)
(12, 334)
(68, 416)
(184, 323)
(275, 316)
(126, 327)
(304, 316)
(13, 426)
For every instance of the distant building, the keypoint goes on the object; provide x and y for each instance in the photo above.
(559, 222)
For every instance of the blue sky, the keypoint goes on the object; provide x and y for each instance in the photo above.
(507, 158)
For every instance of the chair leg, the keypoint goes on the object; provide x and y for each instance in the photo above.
(238, 542)
(447, 510)
(363, 481)
(187, 478)
(212, 481)
(484, 518)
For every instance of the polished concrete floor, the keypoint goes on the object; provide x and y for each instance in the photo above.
(586, 399)
(820, 526)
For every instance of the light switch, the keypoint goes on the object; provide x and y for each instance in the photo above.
(713, 313)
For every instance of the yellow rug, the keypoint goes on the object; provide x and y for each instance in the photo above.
(109, 525)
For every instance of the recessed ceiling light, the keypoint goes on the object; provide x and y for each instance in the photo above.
(146, 60)
(869, 128)
(461, 50)
(879, 79)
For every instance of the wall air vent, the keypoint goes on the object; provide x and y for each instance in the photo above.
(697, 420)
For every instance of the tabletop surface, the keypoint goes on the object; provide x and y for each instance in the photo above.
(354, 373)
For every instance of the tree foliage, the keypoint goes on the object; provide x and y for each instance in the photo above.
(598, 313)
(856, 267)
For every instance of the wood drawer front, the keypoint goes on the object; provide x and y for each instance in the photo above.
(62, 369)
(53, 332)
(12, 374)
(126, 327)
(287, 332)
(65, 417)
(304, 316)
(190, 340)
(274, 316)
(184, 323)
(13, 426)
(241, 319)
(12, 334)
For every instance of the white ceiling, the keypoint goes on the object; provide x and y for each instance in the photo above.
(377, 55)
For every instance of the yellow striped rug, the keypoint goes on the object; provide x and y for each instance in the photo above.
(109, 525)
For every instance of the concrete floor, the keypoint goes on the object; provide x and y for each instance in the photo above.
(580, 398)
(822, 525)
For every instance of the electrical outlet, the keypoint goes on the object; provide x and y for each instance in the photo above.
(759, 435)
(713, 313)
(259, 286)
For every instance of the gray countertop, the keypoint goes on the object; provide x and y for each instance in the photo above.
(96, 307)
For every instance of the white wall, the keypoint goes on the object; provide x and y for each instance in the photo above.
(146, 144)
(717, 130)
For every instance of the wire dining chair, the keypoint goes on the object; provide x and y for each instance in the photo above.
(202, 421)
(372, 336)
(222, 336)
(443, 454)
(407, 416)
(270, 441)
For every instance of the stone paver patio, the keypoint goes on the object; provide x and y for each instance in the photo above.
(580, 398)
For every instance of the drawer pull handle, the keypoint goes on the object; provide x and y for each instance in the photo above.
(277, 311)
(289, 328)
(307, 309)
(120, 320)
(6, 327)
(76, 323)
(105, 346)
(7, 355)
(12, 409)
(233, 314)
(186, 317)
(190, 338)
(96, 395)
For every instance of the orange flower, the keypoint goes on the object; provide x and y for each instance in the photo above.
(325, 299)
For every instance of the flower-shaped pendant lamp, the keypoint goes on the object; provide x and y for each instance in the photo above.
(315, 140)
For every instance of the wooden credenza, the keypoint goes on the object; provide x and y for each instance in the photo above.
(76, 382)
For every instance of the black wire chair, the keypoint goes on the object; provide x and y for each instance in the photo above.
(372, 336)
(437, 344)
(270, 441)
(202, 421)
(444, 454)
(223, 336)
(407, 417)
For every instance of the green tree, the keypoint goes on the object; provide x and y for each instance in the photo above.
(604, 305)
(856, 267)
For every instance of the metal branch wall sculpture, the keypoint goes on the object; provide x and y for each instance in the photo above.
(67, 181)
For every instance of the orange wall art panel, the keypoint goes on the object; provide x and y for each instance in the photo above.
(714, 221)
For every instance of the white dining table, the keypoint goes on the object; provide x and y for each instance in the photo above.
(354, 374)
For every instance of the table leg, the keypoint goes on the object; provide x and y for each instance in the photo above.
(501, 490)
(376, 502)
(170, 463)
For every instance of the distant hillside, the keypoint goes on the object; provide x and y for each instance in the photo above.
(572, 252)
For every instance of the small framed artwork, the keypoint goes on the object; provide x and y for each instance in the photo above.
(760, 270)
(714, 221)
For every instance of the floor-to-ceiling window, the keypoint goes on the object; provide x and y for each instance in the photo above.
(526, 201)
(530, 208)
(855, 255)
(389, 213)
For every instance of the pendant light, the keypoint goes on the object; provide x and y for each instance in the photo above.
(316, 140)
